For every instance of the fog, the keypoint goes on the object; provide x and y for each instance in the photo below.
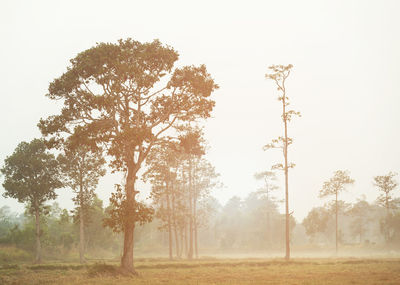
(344, 82)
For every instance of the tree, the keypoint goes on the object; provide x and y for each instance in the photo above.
(82, 169)
(386, 184)
(333, 187)
(176, 197)
(162, 164)
(32, 175)
(360, 211)
(190, 143)
(124, 97)
(279, 75)
(268, 177)
(316, 221)
(205, 178)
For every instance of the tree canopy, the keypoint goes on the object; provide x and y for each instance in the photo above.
(31, 174)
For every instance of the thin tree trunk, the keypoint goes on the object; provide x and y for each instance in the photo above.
(182, 241)
(81, 223)
(81, 236)
(336, 222)
(195, 213)
(186, 239)
(81, 215)
(175, 225)
(129, 227)
(38, 258)
(287, 234)
(169, 224)
(190, 253)
(195, 238)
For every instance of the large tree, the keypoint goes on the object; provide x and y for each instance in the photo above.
(125, 97)
(82, 168)
(333, 187)
(32, 175)
(279, 74)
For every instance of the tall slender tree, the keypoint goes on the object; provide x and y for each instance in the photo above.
(32, 175)
(190, 143)
(386, 184)
(125, 97)
(333, 187)
(82, 168)
(279, 75)
(162, 164)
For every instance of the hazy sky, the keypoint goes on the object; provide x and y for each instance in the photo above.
(345, 81)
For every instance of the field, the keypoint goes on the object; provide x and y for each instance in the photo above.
(211, 271)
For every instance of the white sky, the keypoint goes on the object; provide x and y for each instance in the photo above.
(345, 82)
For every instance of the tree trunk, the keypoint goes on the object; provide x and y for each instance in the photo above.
(186, 239)
(190, 253)
(81, 236)
(287, 234)
(129, 227)
(38, 258)
(175, 225)
(181, 229)
(81, 223)
(336, 222)
(268, 230)
(169, 225)
(195, 238)
(195, 213)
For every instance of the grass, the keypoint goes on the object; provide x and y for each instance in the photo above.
(12, 254)
(212, 271)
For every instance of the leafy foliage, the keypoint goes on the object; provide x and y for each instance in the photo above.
(31, 174)
(386, 185)
(120, 211)
(336, 184)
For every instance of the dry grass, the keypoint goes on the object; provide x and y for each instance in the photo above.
(232, 271)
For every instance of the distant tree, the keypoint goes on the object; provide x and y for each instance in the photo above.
(392, 226)
(231, 222)
(125, 97)
(360, 212)
(82, 168)
(5, 221)
(181, 180)
(205, 178)
(32, 175)
(162, 164)
(316, 221)
(96, 236)
(192, 148)
(386, 184)
(279, 75)
(60, 232)
(333, 187)
(268, 177)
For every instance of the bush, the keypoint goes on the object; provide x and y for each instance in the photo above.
(13, 254)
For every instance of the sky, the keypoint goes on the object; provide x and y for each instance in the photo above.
(346, 58)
